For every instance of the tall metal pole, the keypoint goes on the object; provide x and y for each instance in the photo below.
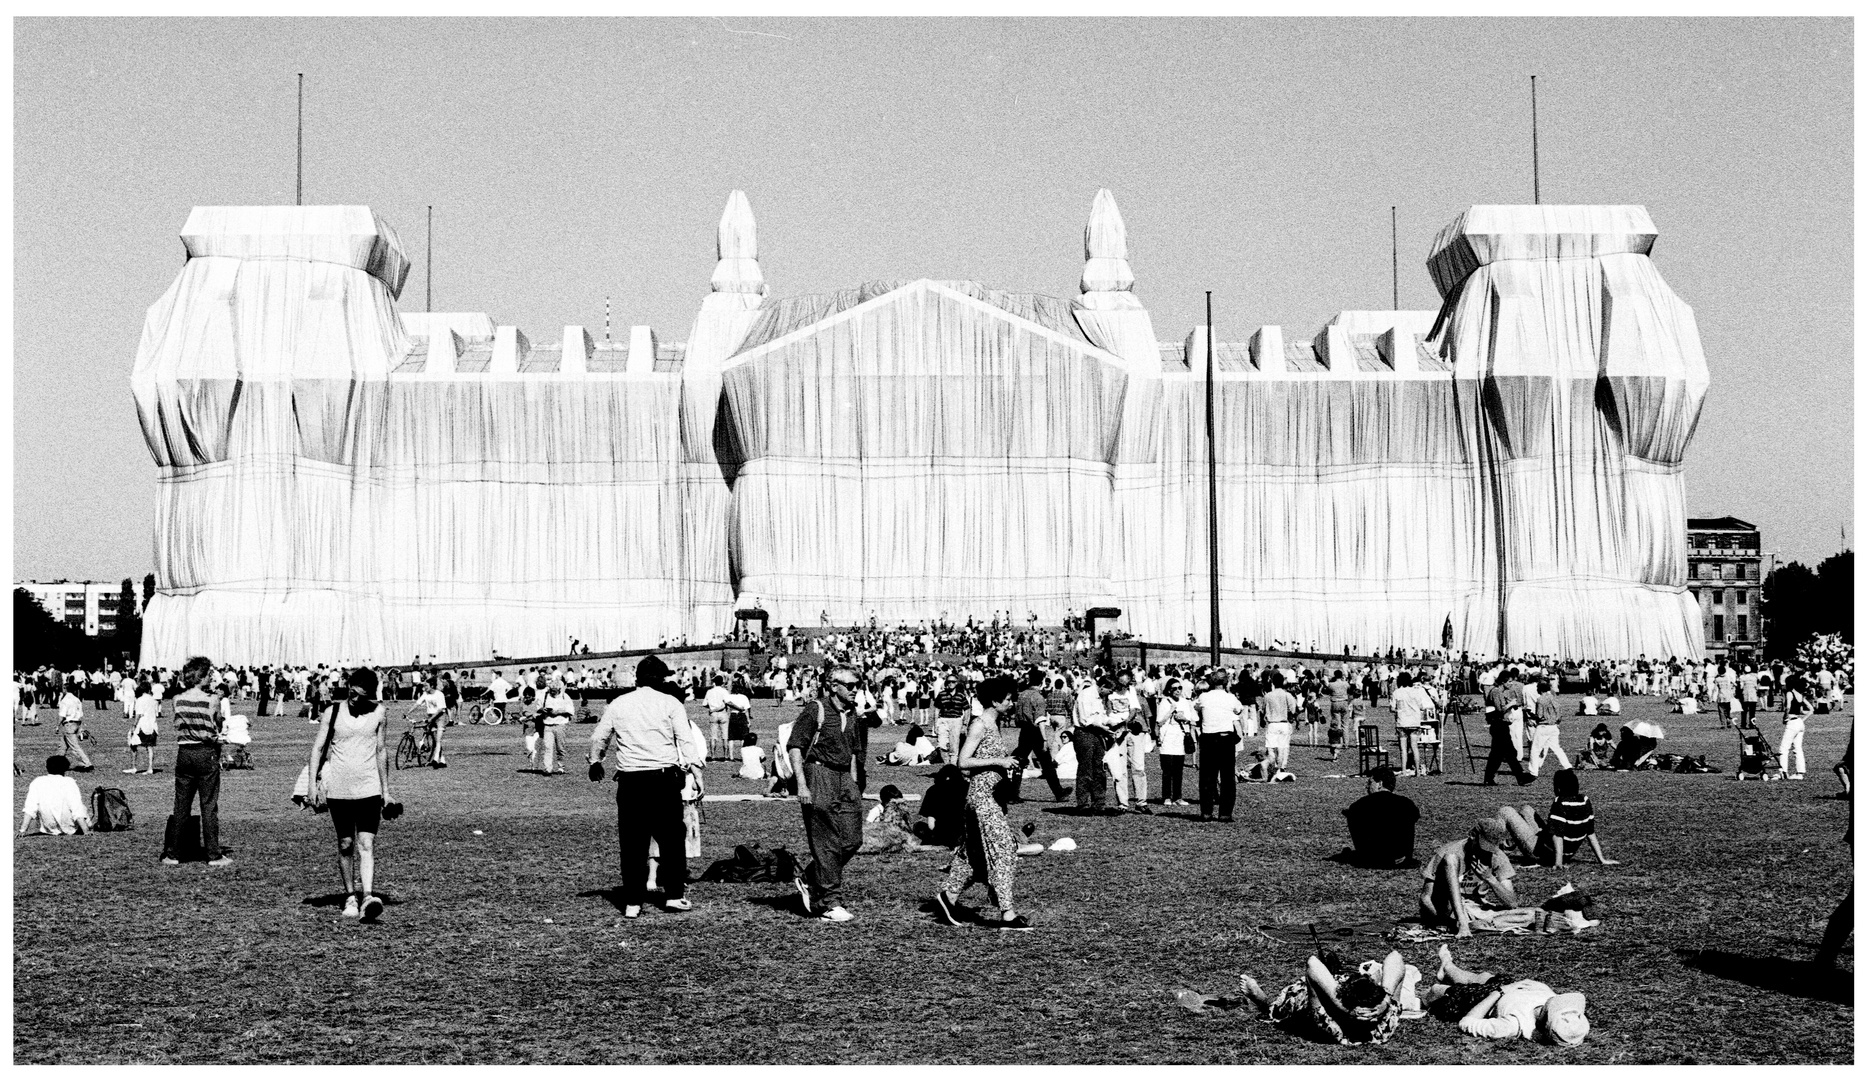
(1213, 503)
(1535, 139)
(298, 199)
(428, 275)
(1395, 266)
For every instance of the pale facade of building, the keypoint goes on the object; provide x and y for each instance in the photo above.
(90, 606)
(1725, 569)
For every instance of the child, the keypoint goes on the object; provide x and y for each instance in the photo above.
(890, 825)
(235, 738)
(54, 806)
(752, 759)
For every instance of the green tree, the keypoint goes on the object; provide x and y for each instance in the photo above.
(1788, 601)
(39, 638)
(1836, 596)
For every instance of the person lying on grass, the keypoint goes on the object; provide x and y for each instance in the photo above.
(1264, 771)
(1551, 838)
(54, 805)
(1490, 1007)
(1467, 884)
(914, 749)
(1334, 1003)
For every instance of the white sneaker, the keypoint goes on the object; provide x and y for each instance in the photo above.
(632, 911)
(678, 904)
(837, 914)
(351, 910)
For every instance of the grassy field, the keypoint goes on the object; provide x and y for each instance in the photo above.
(502, 941)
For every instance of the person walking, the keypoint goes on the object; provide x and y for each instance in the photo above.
(1030, 711)
(348, 774)
(823, 749)
(1545, 736)
(1797, 707)
(989, 851)
(70, 724)
(197, 716)
(1220, 733)
(1279, 707)
(1505, 700)
(655, 746)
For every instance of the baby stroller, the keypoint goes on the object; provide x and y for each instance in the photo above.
(1757, 759)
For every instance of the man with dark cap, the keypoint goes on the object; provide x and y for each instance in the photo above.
(824, 750)
(656, 745)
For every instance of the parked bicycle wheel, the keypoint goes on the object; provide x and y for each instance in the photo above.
(408, 751)
(495, 715)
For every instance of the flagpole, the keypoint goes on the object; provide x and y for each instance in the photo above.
(1213, 503)
(298, 198)
(1535, 192)
(428, 275)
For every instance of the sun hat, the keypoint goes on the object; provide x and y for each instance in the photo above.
(1562, 1022)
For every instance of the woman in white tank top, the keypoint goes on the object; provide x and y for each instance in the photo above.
(349, 776)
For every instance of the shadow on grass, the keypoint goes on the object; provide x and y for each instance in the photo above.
(1794, 978)
(337, 899)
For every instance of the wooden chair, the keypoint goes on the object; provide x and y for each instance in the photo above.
(1370, 752)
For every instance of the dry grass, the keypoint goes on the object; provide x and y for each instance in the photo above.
(506, 946)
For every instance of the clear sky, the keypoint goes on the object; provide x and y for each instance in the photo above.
(570, 160)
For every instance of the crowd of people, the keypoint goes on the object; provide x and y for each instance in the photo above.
(990, 706)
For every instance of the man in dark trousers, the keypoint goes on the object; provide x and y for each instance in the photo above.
(656, 745)
(1030, 710)
(824, 749)
(1506, 698)
(197, 714)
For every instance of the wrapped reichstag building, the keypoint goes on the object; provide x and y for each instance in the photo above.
(343, 482)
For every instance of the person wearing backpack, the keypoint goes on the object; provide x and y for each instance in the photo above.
(824, 748)
(197, 716)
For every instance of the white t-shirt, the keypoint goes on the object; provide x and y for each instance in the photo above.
(55, 805)
(1412, 706)
(499, 689)
(752, 762)
(234, 730)
(1516, 1012)
(1219, 711)
(716, 702)
(434, 702)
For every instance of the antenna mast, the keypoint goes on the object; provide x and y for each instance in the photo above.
(1213, 504)
(1395, 266)
(298, 198)
(428, 275)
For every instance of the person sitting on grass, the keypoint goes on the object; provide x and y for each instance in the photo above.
(1467, 884)
(54, 805)
(752, 758)
(1490, 1007)
(890, 825)
(1637, 744)
(1558, 835)
(1264, 770)
(1601, 749)
(1382, 824)
(1333, 1003)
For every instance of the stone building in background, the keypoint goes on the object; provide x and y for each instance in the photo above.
(1725, 570)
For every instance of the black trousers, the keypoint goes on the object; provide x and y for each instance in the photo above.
(1092, 778)
(1503, 753)
(197, 773)
(1171, 776)
(1218, 784)
(1032, 745)
(649, 805)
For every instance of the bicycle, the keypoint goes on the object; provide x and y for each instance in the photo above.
(417, 746)
(492, 713)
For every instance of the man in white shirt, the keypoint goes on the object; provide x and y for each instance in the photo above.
(716, 702)
(500, 692)
(54, 806)
(1528, 1009)
(70, 723)
(1220, 733)
(655, 747)
(1280, 709)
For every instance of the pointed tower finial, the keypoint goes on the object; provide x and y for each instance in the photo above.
(738, 250)
(1106, 252)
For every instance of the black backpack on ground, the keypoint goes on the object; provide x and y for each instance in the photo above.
(184, 843)
(753, 862)
(110, 810)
